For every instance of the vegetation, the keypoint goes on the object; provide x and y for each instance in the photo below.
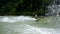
(23, 7)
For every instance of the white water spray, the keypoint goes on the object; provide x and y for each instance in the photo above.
(54, 9)
(17, 18)
(27, 29)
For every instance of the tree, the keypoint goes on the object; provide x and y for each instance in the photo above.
(23, 7)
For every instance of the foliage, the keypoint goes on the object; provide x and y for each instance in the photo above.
(23, 7)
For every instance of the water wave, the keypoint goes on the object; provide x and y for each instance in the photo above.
(35, 30)
(17, 18)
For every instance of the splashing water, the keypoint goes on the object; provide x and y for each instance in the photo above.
(28, 25)
(54, 9)
(43, 26)
(35, 30)
(17, 18)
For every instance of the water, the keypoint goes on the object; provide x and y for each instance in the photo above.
(29, 25)
(54, 9)
(16, 18)
(46, 25)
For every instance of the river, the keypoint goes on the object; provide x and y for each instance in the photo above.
(45, 25)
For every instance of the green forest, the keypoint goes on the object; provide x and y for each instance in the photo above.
(23, 7)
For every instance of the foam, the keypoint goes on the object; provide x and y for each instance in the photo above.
(17, 18)
(35, 30)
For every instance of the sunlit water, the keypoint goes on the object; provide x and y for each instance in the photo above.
(29, 25)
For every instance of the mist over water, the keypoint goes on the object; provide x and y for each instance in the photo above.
(54, 9)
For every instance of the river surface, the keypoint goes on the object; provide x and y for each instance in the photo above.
(45, 25)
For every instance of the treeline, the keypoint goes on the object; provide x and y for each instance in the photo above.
(23, 7)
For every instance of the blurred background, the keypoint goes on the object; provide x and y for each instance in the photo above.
(24, 7)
